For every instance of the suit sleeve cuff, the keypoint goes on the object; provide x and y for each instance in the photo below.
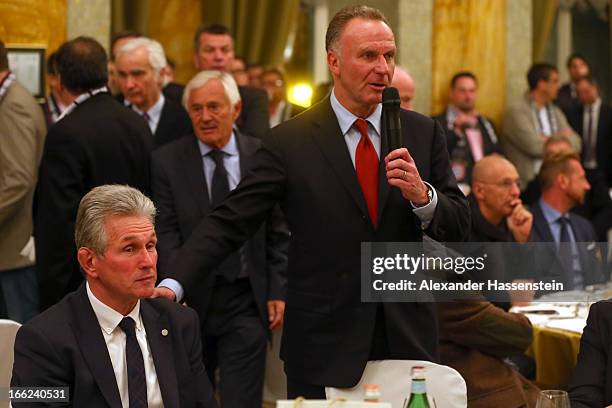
(426, 212)
(174, 286)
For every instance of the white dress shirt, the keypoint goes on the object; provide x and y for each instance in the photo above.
(114, 338)
(352, 137)
(154, 111)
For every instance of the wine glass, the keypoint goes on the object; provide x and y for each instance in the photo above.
(553, 399)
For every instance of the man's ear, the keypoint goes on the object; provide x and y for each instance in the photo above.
(237, 110)
(477, 191)
(562, 180)
(87, 260)
(333, 62)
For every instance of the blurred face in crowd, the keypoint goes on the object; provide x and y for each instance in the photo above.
(549, 88)
(113, 81)
(273, 83)
(587, 92)
(211, 113)
(578, 68)
(215, 51)
(126, 271)
(575, 183)
(405, 86)
(463, 94)
(137, 79)
(255, 75)
(238, 71)
(497, 187)
(362, 63)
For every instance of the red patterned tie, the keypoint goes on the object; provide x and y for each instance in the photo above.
(366, 165)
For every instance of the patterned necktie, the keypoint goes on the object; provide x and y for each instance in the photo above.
(137, 383)
(366, 166)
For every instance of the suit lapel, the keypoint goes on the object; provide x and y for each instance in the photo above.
(328, 137)
(246, 148)
(89, 337)
(194, 174)
(161, 350)
(163, 121)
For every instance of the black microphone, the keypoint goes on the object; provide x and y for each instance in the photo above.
(391, 118)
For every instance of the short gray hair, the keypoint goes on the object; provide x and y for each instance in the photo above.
(343, 17)
(202, 77)
(157, 58)
(103, 202)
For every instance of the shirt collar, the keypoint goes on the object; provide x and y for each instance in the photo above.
(154, 111)
(231, 148)
(346, 118)
(550, 213)
(109, 318)
(595, 105)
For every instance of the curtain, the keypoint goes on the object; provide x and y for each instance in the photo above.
(261, 27)
(33, 22)
(470, 35)
(544, 13)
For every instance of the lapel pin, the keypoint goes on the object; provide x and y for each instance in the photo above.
(164, 332)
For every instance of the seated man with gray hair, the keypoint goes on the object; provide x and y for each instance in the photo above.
(107, 342)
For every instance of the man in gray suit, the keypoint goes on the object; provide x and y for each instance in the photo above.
(532, 120)
(22, 132)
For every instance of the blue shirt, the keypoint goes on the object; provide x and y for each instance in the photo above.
(352, 137)
(552, 219)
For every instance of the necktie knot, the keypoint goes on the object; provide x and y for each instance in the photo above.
(128, 325)
(362, 126)
(146, 116)
(217, 156)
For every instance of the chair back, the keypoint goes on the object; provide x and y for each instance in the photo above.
(445, 386)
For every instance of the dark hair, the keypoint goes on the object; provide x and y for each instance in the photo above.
(462, 74)
(553, 165)
(539, 72)
(82, 65)
(590, 79)
(342, 18)
(214, 29)
(120, 36)
(574, 56)
(51, 64)
(3, 57)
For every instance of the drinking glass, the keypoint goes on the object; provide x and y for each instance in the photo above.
(553, 399)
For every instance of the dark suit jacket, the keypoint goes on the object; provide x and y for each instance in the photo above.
(100, 142)
(174, 122)
(253, 119)
(490, 142)
(305, 165)
(475, 338)
(603, 147)
(566, 100)
(549, 265)
(174, 92)
(64, 347)
(180, 194)
(591, 383)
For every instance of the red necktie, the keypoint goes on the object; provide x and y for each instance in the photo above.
(366, 166)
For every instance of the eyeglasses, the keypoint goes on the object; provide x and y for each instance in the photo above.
(505, 184)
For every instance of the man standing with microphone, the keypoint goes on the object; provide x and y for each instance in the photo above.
(333, 174)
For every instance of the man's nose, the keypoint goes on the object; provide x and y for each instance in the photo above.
(382, 65)
(147, 257)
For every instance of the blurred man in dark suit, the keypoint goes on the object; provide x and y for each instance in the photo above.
(140, 64)
(469, 135)
(567, 98)
(592, 120)
(273, 80)
(97, 141)
(339, 184)
(244, 298)
(107, 342)
(564, 185)
(214, 49)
